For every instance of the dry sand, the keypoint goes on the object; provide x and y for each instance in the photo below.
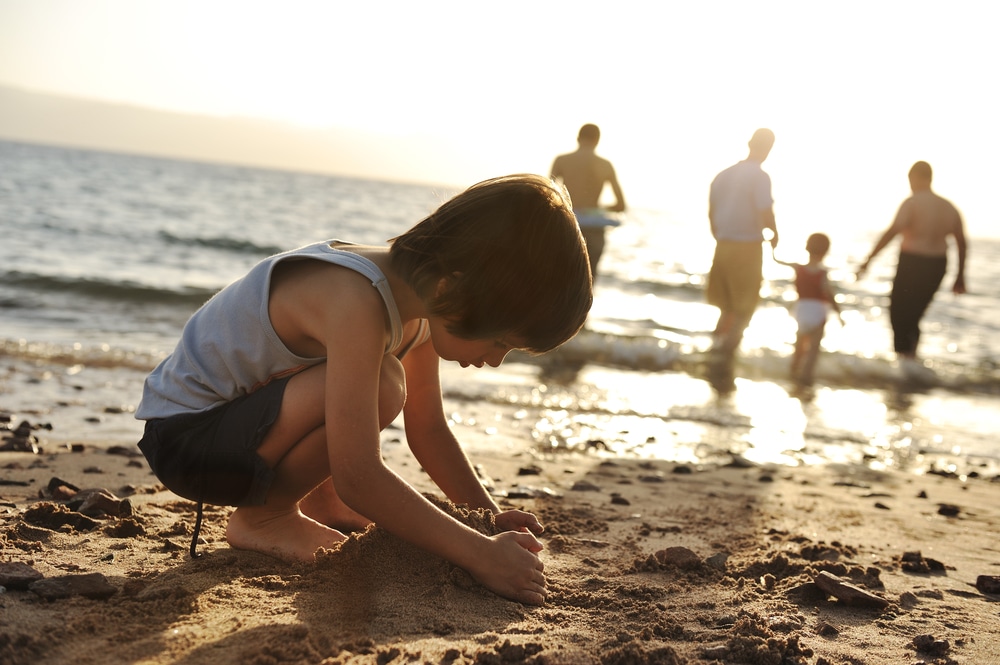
(647, 562)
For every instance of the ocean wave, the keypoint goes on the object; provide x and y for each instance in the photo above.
(675, 352)
(103, 289)
(73, 355)
(238, 245)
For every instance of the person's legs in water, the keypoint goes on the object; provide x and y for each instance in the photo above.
(917, 280)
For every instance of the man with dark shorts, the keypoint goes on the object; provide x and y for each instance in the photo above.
(925, 221)
(740, 207)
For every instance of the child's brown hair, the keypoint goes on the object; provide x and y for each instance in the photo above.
(512, 259)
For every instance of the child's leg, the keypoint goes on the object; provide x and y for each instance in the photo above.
(296, 448)
(801, 340)
(810, 355)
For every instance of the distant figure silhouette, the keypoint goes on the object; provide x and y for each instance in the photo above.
(925, 221)
(740, 207)
(584, 174)
(815, 301)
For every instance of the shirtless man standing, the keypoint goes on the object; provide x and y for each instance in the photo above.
(925, 220)
(584, 174)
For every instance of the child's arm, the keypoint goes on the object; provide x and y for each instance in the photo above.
(780, 262)
(434, 444)
(505, 563)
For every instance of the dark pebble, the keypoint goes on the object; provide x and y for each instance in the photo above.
(17, 575)
(988, 583)
(91, 585)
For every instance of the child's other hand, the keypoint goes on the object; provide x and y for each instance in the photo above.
(512, 569)
(518, 520)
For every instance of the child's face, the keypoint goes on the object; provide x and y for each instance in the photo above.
(476, 352)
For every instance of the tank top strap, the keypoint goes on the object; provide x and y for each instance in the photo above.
(367, 268)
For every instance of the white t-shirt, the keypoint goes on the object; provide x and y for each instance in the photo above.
(737, 196)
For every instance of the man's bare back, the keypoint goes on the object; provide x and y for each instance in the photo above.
(584, 174)
(925, 220)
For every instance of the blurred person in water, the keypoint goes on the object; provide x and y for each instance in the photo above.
(740, 208)
(925, 222)
(584, 175)
(816, 299)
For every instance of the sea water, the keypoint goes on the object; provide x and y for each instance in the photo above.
(103, 257)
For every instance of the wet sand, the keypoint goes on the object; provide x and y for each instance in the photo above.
(647, 562)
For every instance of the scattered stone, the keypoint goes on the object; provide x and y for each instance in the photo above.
(914, 562)
(619, 500)
(91, 585)
(681, 557)
(17, 575)
(908, 600)
(826, 630)
(532, 470)
(124, 451)
(922, 494)
(933, 647)
(58, 484)
(98, 502)
(988, 583)
(882, 506)
(20, 440)
(683, 469)
(585, 486)
(948, 510)
(718, 561)
(655, 478)
(52, 516)
(848, 593)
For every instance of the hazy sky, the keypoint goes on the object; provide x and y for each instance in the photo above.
(855, 90)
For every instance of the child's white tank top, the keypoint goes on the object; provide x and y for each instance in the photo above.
(228, 348)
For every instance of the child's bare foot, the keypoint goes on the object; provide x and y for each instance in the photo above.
(286, 534)
(325, 506)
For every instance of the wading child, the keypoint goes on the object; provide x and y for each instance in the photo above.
(815, 300)
(275, 397)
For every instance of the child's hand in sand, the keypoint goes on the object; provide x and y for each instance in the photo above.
(518, 520)
(511, 568)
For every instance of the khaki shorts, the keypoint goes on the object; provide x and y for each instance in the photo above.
(735, 277)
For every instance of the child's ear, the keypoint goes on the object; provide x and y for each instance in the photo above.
(444, 284)
(442, 287)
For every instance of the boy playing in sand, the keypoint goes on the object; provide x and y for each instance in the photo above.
(815, 300)
(275, 397)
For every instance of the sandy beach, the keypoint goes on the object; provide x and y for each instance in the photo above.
(646, 561)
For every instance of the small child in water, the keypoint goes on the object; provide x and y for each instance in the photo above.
(815, 300)
(275, 397)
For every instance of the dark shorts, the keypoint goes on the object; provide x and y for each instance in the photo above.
(918, 278)
(212, 456)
